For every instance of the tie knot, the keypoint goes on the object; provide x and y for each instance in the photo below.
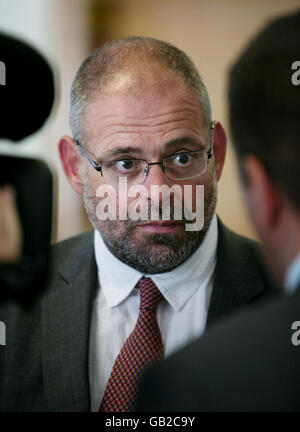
(149, 294)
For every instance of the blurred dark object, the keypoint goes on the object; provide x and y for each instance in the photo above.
(26, 100)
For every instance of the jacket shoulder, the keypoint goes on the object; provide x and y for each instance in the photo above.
(240, 254)
(237, 242)
(74, 245)
(240, 277)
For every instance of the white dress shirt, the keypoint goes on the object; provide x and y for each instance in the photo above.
(181, 314)
(292, 276)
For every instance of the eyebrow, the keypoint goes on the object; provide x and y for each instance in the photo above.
(169, 146)
(122, 150)
(179, 142)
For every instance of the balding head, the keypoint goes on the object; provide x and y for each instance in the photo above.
(132, 64)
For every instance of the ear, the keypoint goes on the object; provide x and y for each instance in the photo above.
(70, 158)
(219, 148)
(263, 196)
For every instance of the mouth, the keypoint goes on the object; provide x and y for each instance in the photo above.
(160, 226)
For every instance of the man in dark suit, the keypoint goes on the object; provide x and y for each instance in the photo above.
(250, 362)
(140, 115)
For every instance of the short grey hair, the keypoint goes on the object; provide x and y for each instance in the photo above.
(100, 67)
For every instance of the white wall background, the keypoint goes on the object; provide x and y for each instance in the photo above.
(59, 30)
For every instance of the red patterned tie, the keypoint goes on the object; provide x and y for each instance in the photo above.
(142, 347)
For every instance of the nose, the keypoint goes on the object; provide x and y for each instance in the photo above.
(156, 176)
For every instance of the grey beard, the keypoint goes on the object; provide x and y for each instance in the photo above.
(158, 253)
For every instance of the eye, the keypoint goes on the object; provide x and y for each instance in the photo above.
(183, 160)
(126, 166)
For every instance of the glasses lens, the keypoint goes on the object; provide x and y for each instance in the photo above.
(186, 165)
(132, 169)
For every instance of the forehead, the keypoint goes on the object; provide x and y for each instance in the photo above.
(153, 106)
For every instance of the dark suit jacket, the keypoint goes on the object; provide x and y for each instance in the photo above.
(246, 363)
(44, 365)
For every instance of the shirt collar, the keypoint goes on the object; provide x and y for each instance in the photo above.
(292, 276)
(118, 280)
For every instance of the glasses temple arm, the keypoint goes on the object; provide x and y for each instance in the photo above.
(210, 152)
(95, 164)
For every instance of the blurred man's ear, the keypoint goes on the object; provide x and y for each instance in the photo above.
(220, 144)
(70, 158)
(263, 197)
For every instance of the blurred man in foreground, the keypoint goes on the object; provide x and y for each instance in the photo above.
(251, 361)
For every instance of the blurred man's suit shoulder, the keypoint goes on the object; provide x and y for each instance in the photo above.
(249, 363)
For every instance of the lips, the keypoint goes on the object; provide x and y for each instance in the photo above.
(161, 223)
(160, 226)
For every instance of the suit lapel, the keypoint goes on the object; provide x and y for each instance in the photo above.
(239, 278)
(65, 330)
